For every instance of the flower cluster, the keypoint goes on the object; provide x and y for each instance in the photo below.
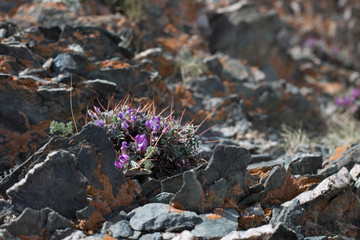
(142, 139)
(351, 102)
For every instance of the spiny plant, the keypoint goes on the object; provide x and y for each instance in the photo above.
(143, 139)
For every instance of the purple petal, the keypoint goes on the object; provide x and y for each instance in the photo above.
(356, 93)
(142, 146)
(97, 110)
(100, 123)
(118, 165)
(123, 158)
(346, 101)
(91, 114)
(133, 118)
(164, 128)
(156, 120)
(121, 115)
(147, 124)
(338, 102)
(124, 145)
(140, 138)
(124, 125)
(156, 127)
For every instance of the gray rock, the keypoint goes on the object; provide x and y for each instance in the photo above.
(208, 85)
(150, 187)
(190, 194)
(61, 233)
(261, 233)
(275, 178)
(103, 87)
(36, 222)
(163, 197)
(151, 236)
(98, 146)
(355, 171)
(158, 217)
(290, 216)
(7, 211)
(281, 232)
(213, 63)
(120, 229)
(172, 184)
(64, 184)
(4, 234)
(216, 228)
(328, 188)
(66, 62)
(257, 31)
(85, 213)
(329, 170)
(305, 164)
(185, 235)
(316, 238)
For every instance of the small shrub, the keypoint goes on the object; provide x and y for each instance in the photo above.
(145, 140)
(294, 138)
(61, 129)
(191, 67)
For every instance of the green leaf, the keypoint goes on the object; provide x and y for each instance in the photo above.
(150, 150)
(148, 165)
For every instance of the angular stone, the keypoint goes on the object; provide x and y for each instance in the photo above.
(151, 236)
(216, 227)
(120, 229)
(262, 232)
(281, 232)
(61, 183)
(305, 164)
(4, 234)
(327, 189)
(159, 217)
(163, 197)
(36, 222)
(185, 235)
(172, 184)
(190, 194)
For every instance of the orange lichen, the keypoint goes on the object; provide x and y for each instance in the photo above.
(113, 64)
(339, 151)
(31, 237)
(176, 207)
(19, 142)
(288, 190)
(184, 96)
(107, 237)
(246, 222)
(261, 172)
(217, 214)
(174, 44)
(5, 67)
(93, 223)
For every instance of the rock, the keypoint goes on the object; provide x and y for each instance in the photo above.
(251, 217)
(120, 229)
(327, 189)
(355, 171)
(7, 212)
(85, 213)
(281, 232)
(163, 197)
(61, 233)
(151, 236)
(4, 234)
(258, 31)
(103, 87)
(36, 222)
(64, 183)
(172, 184)
(190, 195)
(159, 217)
(262, 232)
(290, 216)
(70, 63)
(213, 63)
(316, 238)
(185, 235)
(274, 179)
(208, 86)
(305, 164)
(218, 226)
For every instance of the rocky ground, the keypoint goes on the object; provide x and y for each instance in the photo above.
(282, 154)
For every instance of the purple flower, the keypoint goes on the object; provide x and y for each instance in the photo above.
(123, 158)
(310, 41)
(165, 127)
(129, 110)
(124, 125)
(156, 127)
(148, 124)
(133, 118)
(124, 145)
(156, 120)
(338, 102)
(142, 142)
(91, 114)
(118, 165)
(97, 110)
(100, 123)
(346, 101)
(355, 94)
(121, 115)
(335, 50)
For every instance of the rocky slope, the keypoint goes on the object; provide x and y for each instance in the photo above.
(250, 68)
